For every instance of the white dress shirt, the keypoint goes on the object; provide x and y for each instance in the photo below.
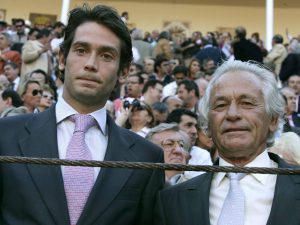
(16, 83)
(199, 156)
(96, 137)
(258, 189)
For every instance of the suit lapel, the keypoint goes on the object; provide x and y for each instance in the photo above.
(197, 201)
(287, 190)
(110, 181)
(42, 142)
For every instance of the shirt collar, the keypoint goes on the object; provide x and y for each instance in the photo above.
(63, 110)
(262, 160)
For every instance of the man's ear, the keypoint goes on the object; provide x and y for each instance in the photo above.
(8, 101)
(273, 123)
(61, 61)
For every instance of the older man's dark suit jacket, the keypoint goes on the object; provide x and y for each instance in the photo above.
(188, 202)
(34, 194)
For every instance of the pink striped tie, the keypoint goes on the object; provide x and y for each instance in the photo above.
(78, 181)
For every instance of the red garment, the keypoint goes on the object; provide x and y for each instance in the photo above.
(10, 55)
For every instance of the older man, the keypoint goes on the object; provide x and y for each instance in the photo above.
(244, 109)
(175, 144)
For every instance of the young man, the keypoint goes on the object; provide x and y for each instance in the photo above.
(95, 52)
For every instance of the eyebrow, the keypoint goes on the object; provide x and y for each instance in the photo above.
(104, 48)
(243, 96)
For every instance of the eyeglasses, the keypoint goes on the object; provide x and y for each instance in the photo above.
(36, 92)
(48, 96)
(170, 144)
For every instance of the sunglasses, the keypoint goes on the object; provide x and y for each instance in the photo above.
(36, 92)
(48, 96)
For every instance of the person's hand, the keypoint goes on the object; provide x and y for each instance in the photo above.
(123, 115)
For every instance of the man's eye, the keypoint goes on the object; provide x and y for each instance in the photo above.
(107, 57)
(80, 51)
(247, 103)
(220, 105)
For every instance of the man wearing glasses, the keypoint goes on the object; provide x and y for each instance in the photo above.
(175, 144)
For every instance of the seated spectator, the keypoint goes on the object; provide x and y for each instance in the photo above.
(276, 55)
(291, 64)
(179, 74)
(290, 115)
(162, 70)
(6, 54)
(42, 77)
(244, 49)
(287, 147)
(175, 146)
(187, 122)
(188, 92)
(9, 100)
(35, 54)
(11, 71)
(31, 93)
(152, 92)
(47, 99)
(193, 69)
(209, 51)
(173, 102)
(160, 112)
(138, 118)
(4, 83)
(294, 83)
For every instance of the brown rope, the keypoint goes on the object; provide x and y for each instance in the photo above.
(146, 165)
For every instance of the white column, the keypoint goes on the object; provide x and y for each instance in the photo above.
(269, 23)
(64, 11)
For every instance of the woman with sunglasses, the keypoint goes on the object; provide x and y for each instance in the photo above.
(31, 93)
(47, 98)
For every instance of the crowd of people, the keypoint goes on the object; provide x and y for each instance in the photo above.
(196, 97)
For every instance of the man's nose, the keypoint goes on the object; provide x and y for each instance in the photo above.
(233, 112)
(91, 63)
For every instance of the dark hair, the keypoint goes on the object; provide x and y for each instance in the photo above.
(32, 30)
(58, 24)
(189, 86)
(158, 61)
(15, 98)
(240, 32)
(160, 107)
(278, 39)
(105, 16)
(180, 69)
(12, 64)
(175, 115)
(48, 81)
(43, 33)
(18, 20)
(139, 107)
(151, 83)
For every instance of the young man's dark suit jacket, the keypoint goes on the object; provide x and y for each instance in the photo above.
(34, 194)
(188, 202)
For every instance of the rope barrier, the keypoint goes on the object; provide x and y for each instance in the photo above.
(147, 165)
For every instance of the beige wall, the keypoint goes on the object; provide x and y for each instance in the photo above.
(22, 8)
(151, 16)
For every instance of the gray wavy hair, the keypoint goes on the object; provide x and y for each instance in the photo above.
(274, 103)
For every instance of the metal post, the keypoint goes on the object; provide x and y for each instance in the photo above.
(64, 11)
(269, 23)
